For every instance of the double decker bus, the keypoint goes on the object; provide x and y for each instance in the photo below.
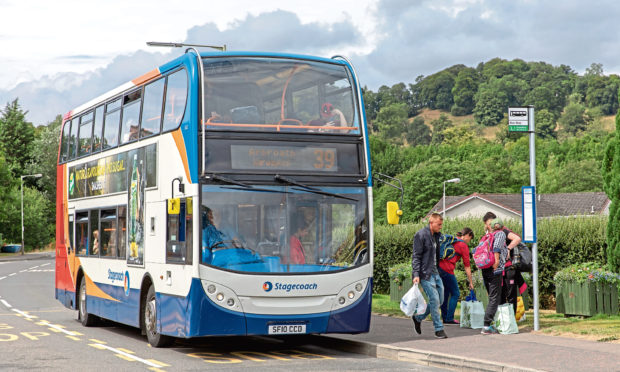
(222, 193)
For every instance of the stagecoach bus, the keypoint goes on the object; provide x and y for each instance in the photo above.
(222, 193)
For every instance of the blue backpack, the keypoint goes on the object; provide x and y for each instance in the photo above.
(446, 247)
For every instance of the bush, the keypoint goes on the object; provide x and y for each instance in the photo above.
(561, 240)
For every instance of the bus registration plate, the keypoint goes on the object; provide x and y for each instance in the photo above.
(287, 329)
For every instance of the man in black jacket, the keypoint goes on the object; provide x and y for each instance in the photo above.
(424, 261)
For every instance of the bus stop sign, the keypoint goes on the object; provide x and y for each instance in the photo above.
(518, 119)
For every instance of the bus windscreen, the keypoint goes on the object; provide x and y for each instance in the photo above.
(283, 95)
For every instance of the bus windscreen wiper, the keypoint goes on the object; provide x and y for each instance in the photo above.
(230, 181)
(311, 189)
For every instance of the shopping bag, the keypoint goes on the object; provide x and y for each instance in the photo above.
(472, 312)
(413, 302)
(505, 321)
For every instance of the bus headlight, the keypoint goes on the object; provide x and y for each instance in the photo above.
(222, 296)
(350, 294)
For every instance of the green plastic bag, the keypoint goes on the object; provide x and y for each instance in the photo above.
(505, 321)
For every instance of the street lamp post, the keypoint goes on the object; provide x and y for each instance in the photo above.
(38, 175)
(453, 180)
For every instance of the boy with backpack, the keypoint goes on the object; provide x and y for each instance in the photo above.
(451, 251)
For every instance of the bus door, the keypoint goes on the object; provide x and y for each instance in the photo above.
(179, 231)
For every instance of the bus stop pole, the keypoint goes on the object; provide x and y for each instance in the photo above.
(535, 244)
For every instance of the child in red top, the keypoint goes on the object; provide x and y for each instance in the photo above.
(446, 272)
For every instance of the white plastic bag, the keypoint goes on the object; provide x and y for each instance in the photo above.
(472, 314)
(505, 321)
(413, 302)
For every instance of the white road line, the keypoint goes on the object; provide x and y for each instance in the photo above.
(2, 277)
(11, 274)
(6, 303)
(24, 314)
(59, 329)
(45, 264)
(34, 267)
(127, 355)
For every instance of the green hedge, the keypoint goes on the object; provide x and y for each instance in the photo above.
(561, 241)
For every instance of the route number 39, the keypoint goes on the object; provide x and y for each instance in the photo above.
(324, 158)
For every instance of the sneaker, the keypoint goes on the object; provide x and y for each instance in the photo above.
(452, 322)
(417, 325)
(490, 330)
(441, 334)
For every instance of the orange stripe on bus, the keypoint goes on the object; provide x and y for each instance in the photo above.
(93, 290)
(178, 139)
(146, 77)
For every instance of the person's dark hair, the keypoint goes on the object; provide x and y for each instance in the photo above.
(298, 222)
(488, 216)
(205, 216)
(465, 231)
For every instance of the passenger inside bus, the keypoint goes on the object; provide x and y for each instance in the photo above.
(95, 250)
(330, 117)
(300, 229)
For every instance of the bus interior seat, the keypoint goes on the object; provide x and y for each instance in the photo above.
(246, 115)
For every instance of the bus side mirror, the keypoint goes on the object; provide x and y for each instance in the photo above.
(393, 213)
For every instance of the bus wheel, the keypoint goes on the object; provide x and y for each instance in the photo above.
(87, 319)
(150, 321)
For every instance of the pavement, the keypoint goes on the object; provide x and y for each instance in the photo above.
(28, 256)
(468, 350)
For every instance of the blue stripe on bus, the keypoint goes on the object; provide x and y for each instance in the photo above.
(196, 315)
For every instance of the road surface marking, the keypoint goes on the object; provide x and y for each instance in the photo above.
(5, 303)
(126, 356)
(25, 315)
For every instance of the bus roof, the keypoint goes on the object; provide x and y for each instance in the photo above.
(155, 73)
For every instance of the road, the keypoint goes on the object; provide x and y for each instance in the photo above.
(38, 333)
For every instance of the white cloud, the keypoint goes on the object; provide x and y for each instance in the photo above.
(92, 46)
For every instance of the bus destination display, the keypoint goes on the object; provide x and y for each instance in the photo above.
(323, 159)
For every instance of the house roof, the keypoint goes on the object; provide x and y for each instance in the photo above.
(547, 205)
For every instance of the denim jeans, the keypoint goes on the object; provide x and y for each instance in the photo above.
(433, 287)
(451, 295)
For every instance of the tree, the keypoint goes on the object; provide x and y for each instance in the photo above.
(545, 123)
(16, 136)
(465, 87)
(392, 122)
(418, 133)
(44, 156)
(490, 107)
(602, 92)
(611, 179)
(439, 126)
(574, 119)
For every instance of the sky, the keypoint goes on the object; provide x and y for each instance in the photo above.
(56, 55)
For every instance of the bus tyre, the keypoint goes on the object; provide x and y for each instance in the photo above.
(87, 319)
(150, 321)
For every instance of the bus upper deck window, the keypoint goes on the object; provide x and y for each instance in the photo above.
(176, 96)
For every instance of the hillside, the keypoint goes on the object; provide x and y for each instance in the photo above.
(606, 123)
